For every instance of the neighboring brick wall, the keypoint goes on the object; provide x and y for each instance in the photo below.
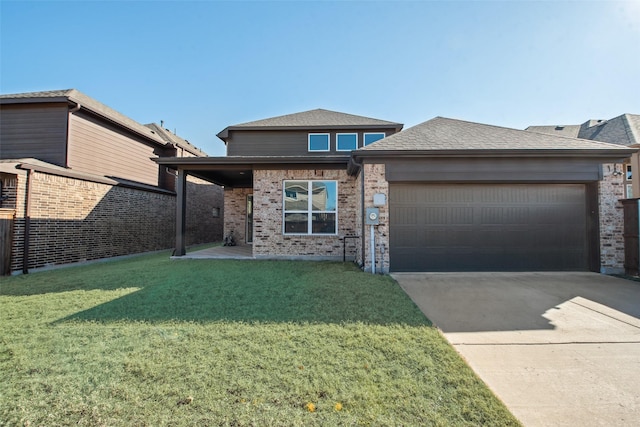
(269, 241)
(202, 198)
(610, 191)
(375, 182)
(235, 213)
(74, 220)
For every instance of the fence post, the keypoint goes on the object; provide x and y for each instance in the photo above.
(7, 217)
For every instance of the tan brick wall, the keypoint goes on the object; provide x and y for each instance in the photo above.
(269, 240)
(610, 192)
(235, 213)
(375, 182)
(75, 220)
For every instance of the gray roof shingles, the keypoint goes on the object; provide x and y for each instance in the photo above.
(174, 139)
(571, 131)
(621, 130)
(312, 119)
(317, 117)
(444, 134)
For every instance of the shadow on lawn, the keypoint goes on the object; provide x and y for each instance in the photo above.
(290, 292)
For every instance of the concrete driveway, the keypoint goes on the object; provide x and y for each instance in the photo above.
(557, 348)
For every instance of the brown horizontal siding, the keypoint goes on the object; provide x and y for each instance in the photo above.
(286, 143)
(492, 170)
(34, 131)
(99, 148)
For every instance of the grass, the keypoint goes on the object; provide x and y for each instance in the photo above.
(148, 341)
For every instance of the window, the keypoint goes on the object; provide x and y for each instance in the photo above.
(346, 141)
(628, 175)
(310, 207)
(318, 142)
(370, 138)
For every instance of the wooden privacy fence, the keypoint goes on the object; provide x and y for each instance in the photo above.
(6, 239)
(631, 234)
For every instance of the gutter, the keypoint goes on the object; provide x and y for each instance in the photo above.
(353, 169)
(618, 153)
(93, 178)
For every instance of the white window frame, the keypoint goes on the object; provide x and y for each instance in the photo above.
(319, 151)
(349, 134)
(309, 211)
(364, 138)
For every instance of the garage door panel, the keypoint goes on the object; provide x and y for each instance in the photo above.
(482, 227)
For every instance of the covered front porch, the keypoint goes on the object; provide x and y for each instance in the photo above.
(236, 174)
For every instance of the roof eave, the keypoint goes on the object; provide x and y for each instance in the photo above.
(620, 153)
(185, 162)
(35, 100)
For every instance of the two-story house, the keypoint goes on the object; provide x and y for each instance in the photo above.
(78, 181)
(445, 195)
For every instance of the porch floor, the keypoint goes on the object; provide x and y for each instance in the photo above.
(221, 252)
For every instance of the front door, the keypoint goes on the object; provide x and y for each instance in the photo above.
(250, 218)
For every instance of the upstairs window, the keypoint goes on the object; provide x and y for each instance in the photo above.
(318, 142)
(370, 138)
(310, 207)
(346, 141)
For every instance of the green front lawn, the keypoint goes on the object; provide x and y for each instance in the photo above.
(150, 341)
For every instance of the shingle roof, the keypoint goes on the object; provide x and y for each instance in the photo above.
(174, 139)
(621, 130)
(571, 131)
(86, 102)
(443, 134)
(312, 119)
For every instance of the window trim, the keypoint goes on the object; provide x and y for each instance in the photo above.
(364, 137)
(328, 135)
(309, 212)
(346, 133)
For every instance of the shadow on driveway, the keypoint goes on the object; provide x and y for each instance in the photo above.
(473, 302)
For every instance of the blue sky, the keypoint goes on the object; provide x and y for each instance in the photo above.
(201, 66)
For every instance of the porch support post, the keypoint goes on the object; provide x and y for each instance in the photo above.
(181, 207)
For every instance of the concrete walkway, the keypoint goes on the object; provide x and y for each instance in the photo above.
(559, 349)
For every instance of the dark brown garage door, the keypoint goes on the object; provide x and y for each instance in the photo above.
(501, 227)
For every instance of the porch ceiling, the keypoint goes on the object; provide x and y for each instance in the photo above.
(234, 178)
(237, 171)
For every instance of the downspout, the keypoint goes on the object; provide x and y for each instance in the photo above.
(362, 212)
(27, 224)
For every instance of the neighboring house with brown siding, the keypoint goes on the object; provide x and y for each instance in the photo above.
(445, 195)
(80, 178)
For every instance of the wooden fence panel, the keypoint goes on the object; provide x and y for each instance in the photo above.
(631, 233)
(6, 240)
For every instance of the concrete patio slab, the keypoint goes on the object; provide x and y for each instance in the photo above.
(221, 252)
(557, 348)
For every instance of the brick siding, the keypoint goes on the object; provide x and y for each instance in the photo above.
(235, 213)
(610, 191)
(375, 182)
(74, 220)
(269, 240)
